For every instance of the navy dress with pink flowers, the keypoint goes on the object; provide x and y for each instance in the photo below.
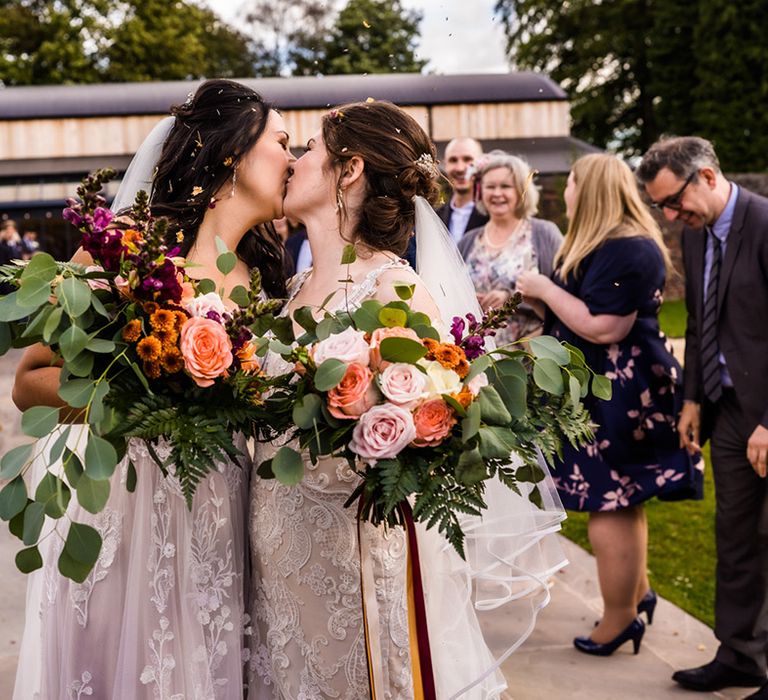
(635, 454)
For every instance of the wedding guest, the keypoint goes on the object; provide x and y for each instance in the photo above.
(30, 243)
(604, 298)
(725, 252)
(460, 214)
(512, 241)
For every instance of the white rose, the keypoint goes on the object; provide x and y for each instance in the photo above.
(477, 382)
(403, 384)
(440, 379)
(348, 346)
(201, 305)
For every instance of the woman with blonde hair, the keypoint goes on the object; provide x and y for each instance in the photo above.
(604, 298)
(513, 241)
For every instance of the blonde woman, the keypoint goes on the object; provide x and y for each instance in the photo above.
(512, 241)
(604, 298)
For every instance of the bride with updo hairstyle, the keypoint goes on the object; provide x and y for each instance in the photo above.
(331, 615)
(163, 613)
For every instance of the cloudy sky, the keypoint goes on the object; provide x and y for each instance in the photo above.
(457, 36)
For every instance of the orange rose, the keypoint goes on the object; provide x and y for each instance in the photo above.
(354, 395)
(433, 420)
(380, 334)
(206, 348)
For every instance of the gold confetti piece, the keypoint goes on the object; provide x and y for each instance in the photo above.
(370, 99)
(228, 161)
(199, 140)
(196, 190)
(179, 236)
(344, 150)
(366, 24)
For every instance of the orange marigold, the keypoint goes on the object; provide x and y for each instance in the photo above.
(247, 356)
(131, 235)
(149, 349)
(172, 361)
(152, 369)
(163, 320)
(431, 345)
(180, 318)
(132, 330)
(462, 369)
(448, 355)
(167, 337)
(464, 397)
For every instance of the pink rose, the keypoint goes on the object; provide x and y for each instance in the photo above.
(433, 421)
(348, 346)
(403, 384)
(477, 382)
(205, 303)
(382, 432)
(354, 394)
(379, 334)
(206, 348)
(94, 282)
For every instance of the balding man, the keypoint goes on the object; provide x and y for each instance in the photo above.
(459, 213)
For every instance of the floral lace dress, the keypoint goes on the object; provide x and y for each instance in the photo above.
(308, 551)
(162, 614)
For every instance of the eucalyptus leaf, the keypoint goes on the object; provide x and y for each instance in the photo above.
(77, 392)
(130, 478)
(83, 543)
(401, 350)
(72, 342)
(100, 458)
(264, 470)
(13, 498)
(424, 331)
(391, 318)
(37, 323)
(38, 421)
(33, 293)
(602, 387)
(307, 411)
(417, 318)
(329, 374)
(496, 442)
(98, 307)
(29, 560)
(303, 316)
(280, 348)
(226, 262)
(221, 246)
(492, 407)
(92, 494)
(471, 468)
(74, 296)
(288, 466)
(96, 411)
(240, 296)
(548, 376)
(52, 323)
(73, 569)
(545, 346)
(330, 325)
(14, 460)
(349, 255)
(404, 291)
(206, 286)
(34, 518)
(53, 494)
(574, 389)
(82, 364)
(471, 424)
(478, 366)
(455, 405)
(100, 345)
(16, 523)
(41, 266)
(366, 317)
(10, 309)
(6, 339)
(73, 467)
(514, 393)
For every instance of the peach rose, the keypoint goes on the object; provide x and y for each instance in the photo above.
(354, 394)
(206, 348)
(380, 334)
(382, 432)
(349, 346)
(403, 384)
(433, 421)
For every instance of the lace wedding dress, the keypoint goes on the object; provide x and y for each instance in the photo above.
(162, 615)
(308, 637)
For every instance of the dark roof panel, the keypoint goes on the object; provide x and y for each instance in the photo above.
(110, 99)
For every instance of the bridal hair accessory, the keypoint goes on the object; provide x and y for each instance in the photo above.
(426, 163)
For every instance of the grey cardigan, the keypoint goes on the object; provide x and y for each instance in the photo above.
(545, 238)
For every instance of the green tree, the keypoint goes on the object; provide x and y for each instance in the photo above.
(51, 42)
(372, 36)
(635, 69)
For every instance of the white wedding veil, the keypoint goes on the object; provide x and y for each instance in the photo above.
(141, 171)
(511, 550)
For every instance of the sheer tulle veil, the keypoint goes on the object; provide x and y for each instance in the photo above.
(511, 550)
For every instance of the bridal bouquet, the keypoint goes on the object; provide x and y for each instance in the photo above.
(144, 352)
(421, 419)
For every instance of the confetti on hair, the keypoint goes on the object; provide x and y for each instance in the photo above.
(370, 99)
(199, 140)
(228, 161)
(196, 190)
(179, 236)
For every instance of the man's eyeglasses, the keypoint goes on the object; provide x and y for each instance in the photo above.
(673, 201)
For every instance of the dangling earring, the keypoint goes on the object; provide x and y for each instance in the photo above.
(339, 199)
(234, 182)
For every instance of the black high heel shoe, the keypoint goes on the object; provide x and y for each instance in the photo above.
(648, 604)
(635, 632)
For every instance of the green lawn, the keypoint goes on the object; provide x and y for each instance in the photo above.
(681, 549)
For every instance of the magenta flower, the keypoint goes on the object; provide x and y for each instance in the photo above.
(101, 218)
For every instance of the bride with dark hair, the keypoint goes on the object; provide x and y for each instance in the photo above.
(163, 612)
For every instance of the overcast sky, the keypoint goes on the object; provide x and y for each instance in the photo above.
(457, 36)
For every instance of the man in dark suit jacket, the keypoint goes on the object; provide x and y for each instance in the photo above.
(725, 253)
(459, 213)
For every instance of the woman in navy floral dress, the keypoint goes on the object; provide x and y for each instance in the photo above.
(604, 298)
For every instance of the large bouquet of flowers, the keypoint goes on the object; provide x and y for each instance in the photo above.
(144, 350)
(422, 419)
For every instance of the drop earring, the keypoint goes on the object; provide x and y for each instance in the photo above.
(234, 182)
(339, 199)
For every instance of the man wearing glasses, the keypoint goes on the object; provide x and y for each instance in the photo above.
(725, 254)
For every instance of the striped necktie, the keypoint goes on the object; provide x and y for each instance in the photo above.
(710, 350)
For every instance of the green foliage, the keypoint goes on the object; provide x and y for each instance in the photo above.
(94, 41)
(634, 69)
